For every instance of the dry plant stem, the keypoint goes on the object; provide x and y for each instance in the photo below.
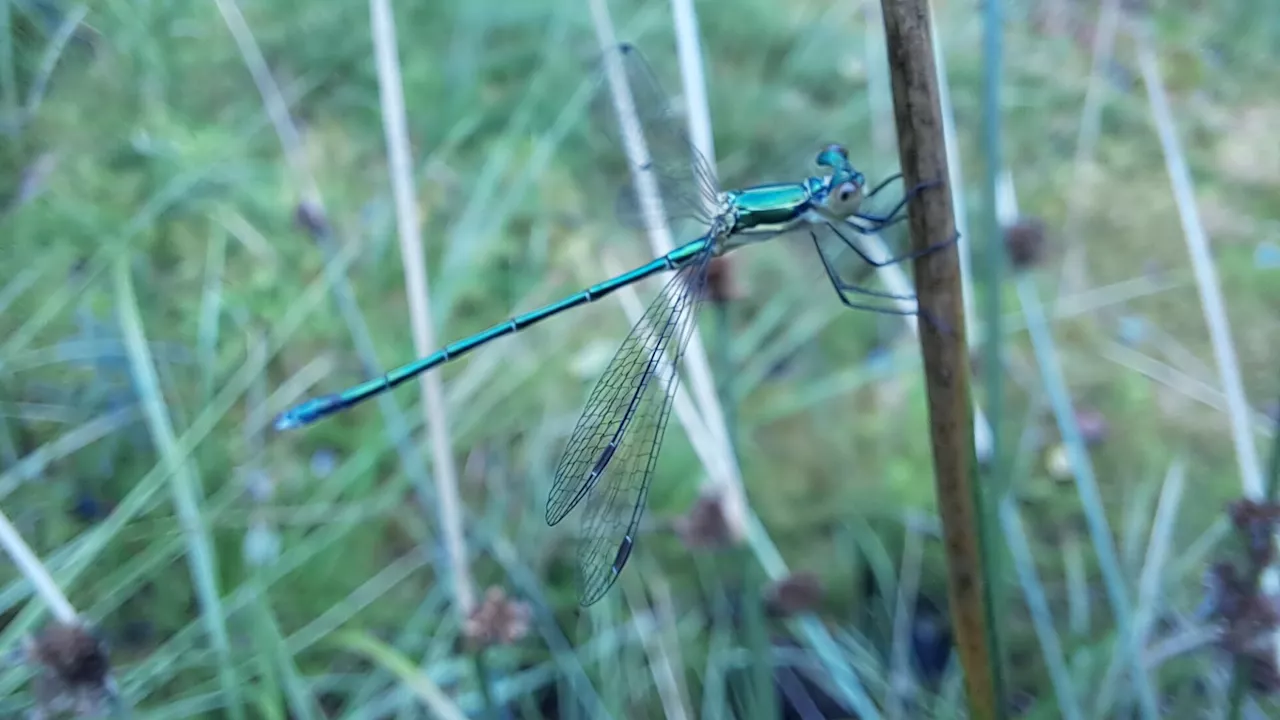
(966, 240)
(728, 482)
(1206, 274)
(922, 154)
(1072, 275)
(892, 275)
(311, 199)
(36, 573)
(675, 705)
(391, 92)
(689, 50)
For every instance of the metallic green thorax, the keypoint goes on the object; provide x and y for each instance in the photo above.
(762, 211)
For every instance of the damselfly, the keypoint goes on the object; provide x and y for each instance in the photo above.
(611, 454)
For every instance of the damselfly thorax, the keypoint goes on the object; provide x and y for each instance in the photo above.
(760, 212)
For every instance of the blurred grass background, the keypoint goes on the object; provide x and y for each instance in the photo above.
(150, 220)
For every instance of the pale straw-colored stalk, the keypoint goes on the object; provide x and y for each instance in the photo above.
(766, 552)
(1100, 534)
(1072, 274)
(1206, 274)
(714, 449)
(724, 477)
(309, 190)
(408, 223)
(36, 573)
(661, 660)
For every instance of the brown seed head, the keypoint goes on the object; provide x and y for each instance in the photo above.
(1025, 241)
(498, 620)
(1256, 523)
(705, 525)
(311, 218)
(72, 652)
(797, 593)
(72, 670)
(1093, 425)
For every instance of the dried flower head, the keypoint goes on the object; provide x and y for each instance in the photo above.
(1224, 591)
(498, 620)
(1235, 600)
(1093, 425)
(1249, 637)
(705, 526)
(1264, 676)
(72, 673)
(797, 593)
(1025, 242)
(1256, 522)
(311, 218)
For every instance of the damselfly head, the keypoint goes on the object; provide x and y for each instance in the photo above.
(833, 156)
(844, 185)
(845, 194)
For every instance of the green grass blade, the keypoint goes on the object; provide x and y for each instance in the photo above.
(184, 484)
(430, 695)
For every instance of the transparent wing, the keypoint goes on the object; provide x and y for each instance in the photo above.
(611, 454)
(684, 178)
(614, 402)
(611, 517)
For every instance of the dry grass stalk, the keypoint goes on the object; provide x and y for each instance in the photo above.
(923, 157)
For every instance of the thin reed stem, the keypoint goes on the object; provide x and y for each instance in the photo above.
(891, 274)
(36, 573)
(922, 153)
(1206, 274)
(391, 95)
(185, 486)
(1072, 273)
(1087, 487)
(491, 709)
(727, 482)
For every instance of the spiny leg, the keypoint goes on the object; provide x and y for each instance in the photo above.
(843, 291)
(842, 286)
(875, 227)
(893, 260)
(883, 221)
(883, 184)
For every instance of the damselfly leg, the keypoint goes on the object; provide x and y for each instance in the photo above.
(847, 291)
(844, 287)
(891, 261)
(878, 221)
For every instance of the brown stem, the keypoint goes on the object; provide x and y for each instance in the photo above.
(922, 153)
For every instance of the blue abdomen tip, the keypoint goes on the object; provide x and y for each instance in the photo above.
(306, 413)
